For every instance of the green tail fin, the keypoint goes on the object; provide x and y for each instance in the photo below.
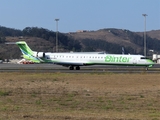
(27, 52)
(24, 48)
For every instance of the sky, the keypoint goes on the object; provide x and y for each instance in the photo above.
(76, 15)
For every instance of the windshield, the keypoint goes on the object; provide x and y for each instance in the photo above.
(144, 58)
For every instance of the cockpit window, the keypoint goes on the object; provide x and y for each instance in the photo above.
(144, 58)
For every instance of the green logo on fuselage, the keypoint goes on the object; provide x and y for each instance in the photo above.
(117, 59)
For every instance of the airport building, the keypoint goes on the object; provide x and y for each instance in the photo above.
(156, 58)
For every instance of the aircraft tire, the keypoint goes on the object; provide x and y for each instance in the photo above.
(71, 68)
(77, 68)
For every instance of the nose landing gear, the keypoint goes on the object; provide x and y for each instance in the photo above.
(146, 68)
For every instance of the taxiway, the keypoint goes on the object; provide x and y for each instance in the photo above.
(9, 67)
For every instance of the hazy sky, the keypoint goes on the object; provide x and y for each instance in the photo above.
(80, 14)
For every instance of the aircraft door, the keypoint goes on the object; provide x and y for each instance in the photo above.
(134, 61)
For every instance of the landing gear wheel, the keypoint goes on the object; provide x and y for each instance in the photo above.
(71, 68)
(77, 68)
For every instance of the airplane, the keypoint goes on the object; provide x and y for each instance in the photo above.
(77, 59)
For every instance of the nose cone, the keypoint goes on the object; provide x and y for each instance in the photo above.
(150, 62)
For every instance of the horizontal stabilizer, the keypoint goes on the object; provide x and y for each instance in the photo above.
(10, 43)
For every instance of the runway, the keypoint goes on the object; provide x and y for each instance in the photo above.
(10, 67)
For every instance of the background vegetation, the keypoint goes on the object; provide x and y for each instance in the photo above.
(42, 39)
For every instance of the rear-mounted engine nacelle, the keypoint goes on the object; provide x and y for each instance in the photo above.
(39, 54)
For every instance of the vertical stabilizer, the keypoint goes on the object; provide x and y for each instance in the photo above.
(27, 52)
(24, 48)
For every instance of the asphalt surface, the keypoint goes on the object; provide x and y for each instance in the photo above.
(10, 67)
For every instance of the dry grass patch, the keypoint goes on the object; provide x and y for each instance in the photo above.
(79, 96)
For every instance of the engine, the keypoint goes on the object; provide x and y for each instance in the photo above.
(39, 54)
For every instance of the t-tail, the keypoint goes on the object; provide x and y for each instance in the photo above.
(28, 54)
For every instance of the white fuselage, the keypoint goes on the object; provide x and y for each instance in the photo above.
(93, 59)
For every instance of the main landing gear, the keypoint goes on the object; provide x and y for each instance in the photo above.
(72, 68)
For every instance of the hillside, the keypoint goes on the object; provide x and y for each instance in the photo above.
(109, 40)
(114, 36)
(131, 41)
(155, 34)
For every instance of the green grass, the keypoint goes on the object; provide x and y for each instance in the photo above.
(79, 96)
(4, 93)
